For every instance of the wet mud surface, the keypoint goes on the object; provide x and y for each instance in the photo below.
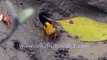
(31, 33)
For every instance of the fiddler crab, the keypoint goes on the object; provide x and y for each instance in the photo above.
(52, 28)
(5, 19)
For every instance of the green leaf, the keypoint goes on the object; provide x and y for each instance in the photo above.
(25, 14)
(85, 28)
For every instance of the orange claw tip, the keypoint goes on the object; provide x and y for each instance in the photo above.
(5, 18)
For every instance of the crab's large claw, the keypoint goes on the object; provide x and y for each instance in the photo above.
(50, 29)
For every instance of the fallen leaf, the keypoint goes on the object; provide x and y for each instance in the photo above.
(85, 28)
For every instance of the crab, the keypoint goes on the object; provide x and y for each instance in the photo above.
(55, 31)
(5, 19)
(52, 28)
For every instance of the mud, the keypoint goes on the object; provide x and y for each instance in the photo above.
(31, 33)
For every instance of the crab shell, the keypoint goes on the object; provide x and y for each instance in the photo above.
(4, 17)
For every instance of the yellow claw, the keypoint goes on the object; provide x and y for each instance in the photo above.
(49, 29)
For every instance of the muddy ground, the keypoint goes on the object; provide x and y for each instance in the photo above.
(31, 33)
